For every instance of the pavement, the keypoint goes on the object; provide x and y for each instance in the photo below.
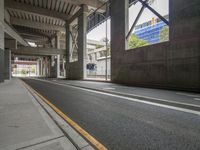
(27, 123)
(122, 122)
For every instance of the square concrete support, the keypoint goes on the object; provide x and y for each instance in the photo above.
(7, 64)
(76, 70)
(119, 30)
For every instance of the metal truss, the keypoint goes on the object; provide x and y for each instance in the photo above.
(145, 4)
(74, 43)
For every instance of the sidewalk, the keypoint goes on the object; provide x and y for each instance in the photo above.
(24, 124)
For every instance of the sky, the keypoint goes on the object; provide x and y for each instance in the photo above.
(161, 6)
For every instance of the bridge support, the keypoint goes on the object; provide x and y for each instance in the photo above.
(7, 64)
(76, 69)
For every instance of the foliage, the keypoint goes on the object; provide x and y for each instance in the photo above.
(99, 46)
(23, 72)
(164, 34)
(135, 42)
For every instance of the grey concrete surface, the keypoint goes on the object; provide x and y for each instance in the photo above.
(24, 124)
(120, 124)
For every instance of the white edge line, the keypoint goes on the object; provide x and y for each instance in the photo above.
(128, 98)
(189, 95)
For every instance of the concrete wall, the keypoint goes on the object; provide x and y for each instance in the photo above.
(1, 40)
(173, 65)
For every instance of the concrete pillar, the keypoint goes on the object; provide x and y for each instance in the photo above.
(38, 68)
(11, 44)
(119, 30)
(58, 66)
(57, 44)
(63, 65)
(82, 40)
(77, 70)
(1, 41)
(57, 41)
(7, 64)
(53, 67)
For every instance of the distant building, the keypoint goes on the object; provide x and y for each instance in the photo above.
(150, 31)
(96, 61)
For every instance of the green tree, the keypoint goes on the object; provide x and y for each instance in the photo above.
(164, 34)
(135, 42)
(23, 72)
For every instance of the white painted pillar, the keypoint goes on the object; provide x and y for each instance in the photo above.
(58, 66)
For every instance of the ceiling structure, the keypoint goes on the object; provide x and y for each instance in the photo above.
(39, 21)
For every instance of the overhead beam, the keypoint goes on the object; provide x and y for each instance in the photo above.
(32, 31)
(35, 25)
(92, 3)
(38, 51)
(14, 34)
(36, 38)
(11, 4)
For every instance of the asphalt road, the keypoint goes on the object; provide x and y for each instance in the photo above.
(120, 124)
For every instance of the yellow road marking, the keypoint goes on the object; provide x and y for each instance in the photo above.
(96, 144)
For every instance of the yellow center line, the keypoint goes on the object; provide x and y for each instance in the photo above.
(96, 144)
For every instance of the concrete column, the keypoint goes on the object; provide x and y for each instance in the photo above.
(63, 65)
(82, 41)
(38, 68)
(77, 70)
(53, 67)
(1, 41)
(57, 41)
(67, 46)
(41, 67)
(57, 44)
(7, 64)
(58, 66)
(11, 44)
(119, 30)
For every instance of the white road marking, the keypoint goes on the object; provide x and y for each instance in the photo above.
(108, 88)
(133, 99)
(198, 99)
(189, 95)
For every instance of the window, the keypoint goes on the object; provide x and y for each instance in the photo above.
(148, 23)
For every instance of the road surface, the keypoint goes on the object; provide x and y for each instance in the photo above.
(124, 124)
